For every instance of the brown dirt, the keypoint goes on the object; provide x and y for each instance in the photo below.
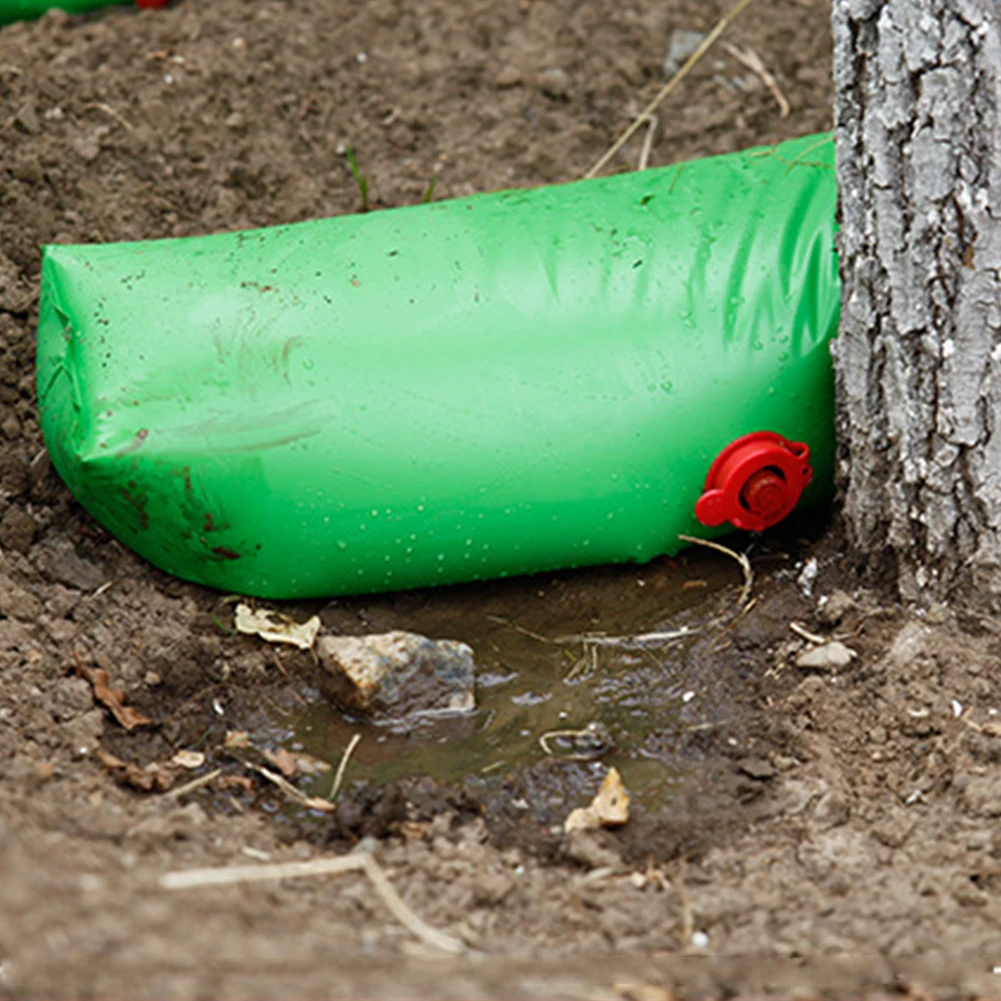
(847, 845)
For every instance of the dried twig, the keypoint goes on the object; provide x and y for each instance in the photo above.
(596, 731)
(597, 639)
(108, 110)
(647, 143)
(342, 767)
(752, 61)
(668, 88)
(805, 634)
(232, 875)
(745, 563)
(312, 802)
(194, 784)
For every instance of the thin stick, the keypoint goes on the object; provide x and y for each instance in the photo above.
(647, 143)
(108, 110)
(752, 61)
(414, 924)
(707, 43)
(193, 785)
(805, 633)
(232, 875)
(312, 802)
(745, 563)
(572, 756)
(338, 778)
(596, 639)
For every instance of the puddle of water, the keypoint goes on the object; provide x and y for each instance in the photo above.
(531, 679)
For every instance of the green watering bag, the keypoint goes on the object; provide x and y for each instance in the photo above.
(494, 385)
(24, 10)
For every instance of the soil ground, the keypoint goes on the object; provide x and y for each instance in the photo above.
(826, 833)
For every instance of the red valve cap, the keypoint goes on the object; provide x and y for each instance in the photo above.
(755, 482)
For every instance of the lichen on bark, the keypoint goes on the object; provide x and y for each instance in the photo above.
(918, 358)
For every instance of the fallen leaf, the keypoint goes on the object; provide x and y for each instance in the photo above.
(112, 698)
(188, 759)
(149, 779)
(609, 808)
(275, 627)
(283, 761)
(236, 739)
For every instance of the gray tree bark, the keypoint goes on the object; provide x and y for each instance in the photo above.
(918, 359)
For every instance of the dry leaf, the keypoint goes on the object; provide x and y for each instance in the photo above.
(609, 808)
(276, 628)
(113, 698)
(188, 759)
(236, 739)
(150, 779)
(283, 761)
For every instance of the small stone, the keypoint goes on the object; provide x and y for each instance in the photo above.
(554, 83)
(832, 608)
(829, 657)
(88, 147)
(17, 530)
(757, 768)
(29, 170)
(27, 118)
(397, 675)
(681, 45)
(508, 76)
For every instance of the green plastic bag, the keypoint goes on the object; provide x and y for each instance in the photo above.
(24, 10)
(495, 385)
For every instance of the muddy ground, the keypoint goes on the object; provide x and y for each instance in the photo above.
(794, 833)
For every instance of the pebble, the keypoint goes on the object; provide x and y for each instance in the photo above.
(554, 83)
(829, 657)
(397, 675)
(508, 76)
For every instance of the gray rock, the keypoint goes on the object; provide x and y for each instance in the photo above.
(829, 657)
(554, 83)
(832, 608)
(392, 676)
(680, 46)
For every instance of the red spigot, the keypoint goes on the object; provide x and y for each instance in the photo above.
(755, 482)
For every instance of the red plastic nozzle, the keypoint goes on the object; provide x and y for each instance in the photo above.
(152, 4)
(755, 482)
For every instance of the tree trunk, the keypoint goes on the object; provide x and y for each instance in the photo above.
(918, 360)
